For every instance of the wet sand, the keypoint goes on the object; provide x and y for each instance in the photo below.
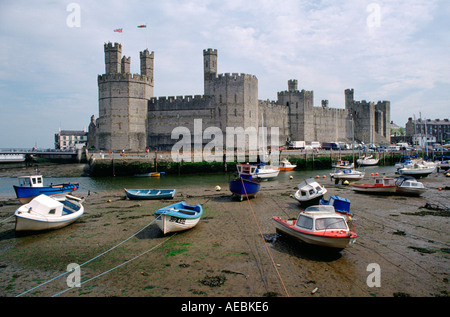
(226, 254)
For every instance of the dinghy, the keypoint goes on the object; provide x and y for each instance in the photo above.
(45, 212)
(150, 193)
(178, 217)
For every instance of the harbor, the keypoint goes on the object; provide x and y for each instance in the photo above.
(234, 251)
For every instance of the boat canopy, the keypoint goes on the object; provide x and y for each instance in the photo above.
(31, 181)
(45, 205)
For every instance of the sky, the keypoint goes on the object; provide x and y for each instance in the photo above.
(51, 54)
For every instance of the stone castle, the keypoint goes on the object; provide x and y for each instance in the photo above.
(132, 119)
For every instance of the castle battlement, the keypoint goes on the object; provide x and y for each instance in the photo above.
(137, 78)
(189, 102)
(110, 45)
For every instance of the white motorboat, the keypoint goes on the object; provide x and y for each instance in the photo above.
(309, 192)
(44, 212)
(319, 226)
(417, 170)
(343, 164)
(178, 217)
(350, 175)
(266, 171)
(367, 161)
(408, 185)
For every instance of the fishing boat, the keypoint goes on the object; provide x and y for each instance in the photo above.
(31, 186)
(150, 193)
(178, 217)
(309, 192)
(344, 164)
(350, 175)
(382, 186)
(341, 205)
(264, 171)
(151, 174)
(417, 170)
(318, 226)
(286, 166)
(408, 185)
(367, 161)
(44, 213)
(244, 185)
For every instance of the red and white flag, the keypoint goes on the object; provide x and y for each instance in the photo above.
(118, 30)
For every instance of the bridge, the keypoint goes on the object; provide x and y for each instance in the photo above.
(74, 155)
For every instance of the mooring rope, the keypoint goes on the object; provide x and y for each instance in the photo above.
(262, 236)
(117, 266)
(109, 250)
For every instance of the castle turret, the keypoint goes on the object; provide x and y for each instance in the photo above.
(113, 53)
(210, 69)
(147, 63)
(125, 65)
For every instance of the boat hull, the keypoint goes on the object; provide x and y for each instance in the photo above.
(178, 217)
(334, 242)
(365, 188)
(422, 172)
(408, 191)
(146, 194)
(26, 221)
(242, 187)
(306, 202)
(26, 194)
(168, 223)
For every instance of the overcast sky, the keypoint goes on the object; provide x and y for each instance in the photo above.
(51, 53)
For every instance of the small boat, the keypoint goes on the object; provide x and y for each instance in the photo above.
(264, 171)
(382, 186)
(341, 205)
(286, 166)
(44, 213)
(319, 226)
(309, 192)
(367, 161)
(178, 217)
(31, 186)
(350, 175)
(150, 193)
(417, 170)
(408, 185)
(245, 185)
(151, 174)
(343, 164)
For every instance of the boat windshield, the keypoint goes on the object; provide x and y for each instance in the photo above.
(330, 223)
(320, 208)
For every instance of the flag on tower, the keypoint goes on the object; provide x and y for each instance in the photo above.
(142, 26)
(118, 30)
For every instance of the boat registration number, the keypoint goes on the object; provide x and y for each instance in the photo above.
(178, 220)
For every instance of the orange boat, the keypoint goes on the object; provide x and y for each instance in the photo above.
(285, 166)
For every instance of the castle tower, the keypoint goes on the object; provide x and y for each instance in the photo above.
(113, 54)
(125, 65)
(147, 63)
(123, 102)
(301, 117)
(210, 69)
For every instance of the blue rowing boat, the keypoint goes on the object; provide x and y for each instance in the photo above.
(31, 186)
(179, 216)
(340, 204)
(244, 185)
(150, 193)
